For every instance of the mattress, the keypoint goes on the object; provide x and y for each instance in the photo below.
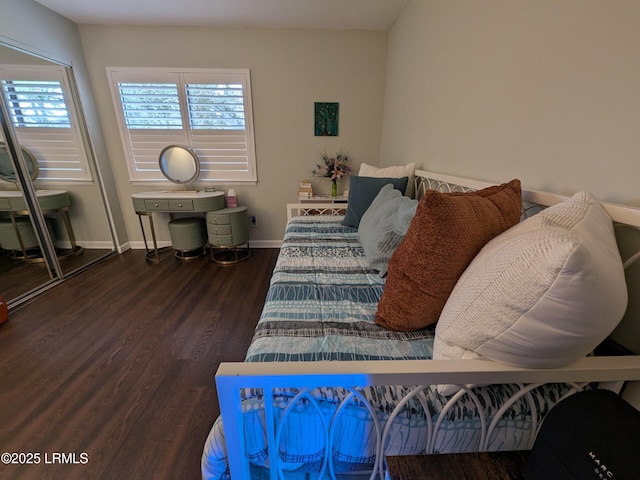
(320, 306)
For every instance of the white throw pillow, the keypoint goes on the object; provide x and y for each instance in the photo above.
(542, 294)
(397, 171)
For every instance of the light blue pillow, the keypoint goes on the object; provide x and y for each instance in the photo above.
(384, 225)
(362, 191)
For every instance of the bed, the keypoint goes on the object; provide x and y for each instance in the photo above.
(346, 391)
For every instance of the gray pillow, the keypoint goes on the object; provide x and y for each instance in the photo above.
(362, 191)
(384, 225)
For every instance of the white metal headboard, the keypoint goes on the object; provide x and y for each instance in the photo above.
(426, 180)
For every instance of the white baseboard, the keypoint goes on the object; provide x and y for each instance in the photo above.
(90, 245)
(265, 243)
(139, 245)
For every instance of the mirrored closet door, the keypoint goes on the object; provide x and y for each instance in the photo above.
(53, 219)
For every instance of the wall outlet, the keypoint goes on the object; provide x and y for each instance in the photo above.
(253, 220)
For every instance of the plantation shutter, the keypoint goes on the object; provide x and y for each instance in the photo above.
(38, 102)
(208, 111)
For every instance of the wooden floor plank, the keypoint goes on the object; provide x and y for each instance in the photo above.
(118, 362)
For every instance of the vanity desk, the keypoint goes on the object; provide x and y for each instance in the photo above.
(51, 201)
(172, 201)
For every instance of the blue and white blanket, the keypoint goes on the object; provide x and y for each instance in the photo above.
(322, 302)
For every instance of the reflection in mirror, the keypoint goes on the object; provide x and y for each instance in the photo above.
(17, 239)
(8, 173)
(52, 136)
(179, 164)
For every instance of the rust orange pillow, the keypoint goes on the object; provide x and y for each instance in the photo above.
(446, 233)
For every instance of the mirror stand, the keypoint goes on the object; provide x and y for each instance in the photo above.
(179, 164)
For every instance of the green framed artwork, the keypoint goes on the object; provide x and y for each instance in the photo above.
(326, 119)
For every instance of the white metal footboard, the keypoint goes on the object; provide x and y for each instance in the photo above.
(353, 376)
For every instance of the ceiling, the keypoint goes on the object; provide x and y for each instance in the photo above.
(325, 14)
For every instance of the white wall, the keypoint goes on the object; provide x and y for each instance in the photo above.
(290, 70)
(544, 90)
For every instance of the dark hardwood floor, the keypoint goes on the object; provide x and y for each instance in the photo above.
(18, 277)
(118, 363)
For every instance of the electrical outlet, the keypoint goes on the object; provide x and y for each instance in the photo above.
(254, 221)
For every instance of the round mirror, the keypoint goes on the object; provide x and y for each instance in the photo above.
(7, 173)
(179, 164)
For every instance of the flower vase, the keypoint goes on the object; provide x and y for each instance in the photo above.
(334, 187)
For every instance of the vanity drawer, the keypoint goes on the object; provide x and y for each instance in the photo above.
(181, 205)
(156, 204)
(220, 240)
(228, 227)
(214, 229)
(218, 218)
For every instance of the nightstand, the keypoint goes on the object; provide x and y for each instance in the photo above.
(324, 199)
(228, 232)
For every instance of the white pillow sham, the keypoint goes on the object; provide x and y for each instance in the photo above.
(397, 171)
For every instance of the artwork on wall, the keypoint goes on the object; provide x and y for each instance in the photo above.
(326, 119)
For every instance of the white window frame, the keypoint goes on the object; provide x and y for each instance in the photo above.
(233, 160)
(60, 151)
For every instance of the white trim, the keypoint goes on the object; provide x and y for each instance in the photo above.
(139, 244)
(89, 245)
(265, 243)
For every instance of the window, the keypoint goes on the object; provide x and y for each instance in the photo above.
(38, 100)
(206, 110)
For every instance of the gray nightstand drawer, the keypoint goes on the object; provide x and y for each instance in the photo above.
(218, 240)
(218, 219)
(228, 227)
(228, 230)
(151, 205)
(181, 205)
(219, 229)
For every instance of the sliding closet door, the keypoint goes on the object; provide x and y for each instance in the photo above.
(58, 213)
(18, 232)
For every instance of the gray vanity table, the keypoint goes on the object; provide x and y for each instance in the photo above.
(51, 201)
(227, 228)
(178, 201)
(14, 206)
